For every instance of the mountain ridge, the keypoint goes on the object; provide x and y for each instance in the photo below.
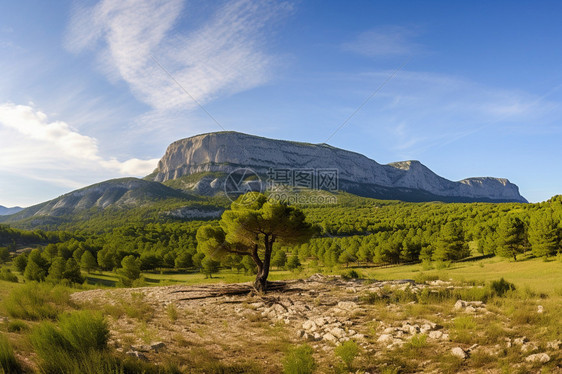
(5, 211)
(223, 152)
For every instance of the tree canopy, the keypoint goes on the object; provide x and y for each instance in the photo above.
(250, 228)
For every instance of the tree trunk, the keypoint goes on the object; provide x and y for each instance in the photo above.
(260, 284)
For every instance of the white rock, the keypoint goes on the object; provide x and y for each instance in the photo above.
(459, 352)
(337, 332)
(385, 339)
(460, 304)
(435, 335)
(330, 338)
(538, 357)
(555, 344)
(528, 347)
(320, 321)
(309, 326)
(540, 309)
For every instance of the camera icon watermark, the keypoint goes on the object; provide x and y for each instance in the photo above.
(243, 181)
(295, 186)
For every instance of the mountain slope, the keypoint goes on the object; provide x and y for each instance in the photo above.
(111, 202)
(214, 155)
(4, 211)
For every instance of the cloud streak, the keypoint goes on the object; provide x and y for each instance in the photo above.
(388, 41)
(221, 57)
(31, 144)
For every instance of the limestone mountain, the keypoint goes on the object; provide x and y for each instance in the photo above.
(201, 163)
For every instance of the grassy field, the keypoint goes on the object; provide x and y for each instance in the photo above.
(535, 274)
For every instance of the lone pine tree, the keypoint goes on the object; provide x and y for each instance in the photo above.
(250, 228)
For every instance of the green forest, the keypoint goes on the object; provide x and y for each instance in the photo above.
(355, 232)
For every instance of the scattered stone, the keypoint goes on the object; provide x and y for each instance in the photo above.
(300, 333)
(459, 352)
(435, 335)
(554, 345)
(157, 346)
(389, 330)
(385, 339)
(309, 325)
(520, 341)
(136, 354)
(538, 358)
(338, 332)
(529, 347)
(469, 306)
(540, 309)
(330, 338)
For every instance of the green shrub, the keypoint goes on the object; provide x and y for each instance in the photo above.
(79, 345)
(299, 360)
(85, 330)
(34, 301)
(8, 362)
(17, 326)
(418, 341)
(347, 352)
(7, 275)
(172, 312)
(501, 287)
(351, 274)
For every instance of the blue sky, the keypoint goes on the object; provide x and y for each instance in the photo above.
(83, 98)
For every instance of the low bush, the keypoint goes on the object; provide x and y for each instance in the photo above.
(17, 326)
(8, 362)
(351, 274)
(347, 352)
(79, 345)
(501, 287)
(35, 301)
(299, 360)
(7, 275)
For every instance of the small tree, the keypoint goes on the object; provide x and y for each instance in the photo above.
(279, 259)
(33, 271)
(451, 244)
(130, 268)
(251, 228)
(293, 262)
(72, 271)
(511, 237)
(56, 271)
(88, 262)
(20, 262)
(543, 235)
(209, 266)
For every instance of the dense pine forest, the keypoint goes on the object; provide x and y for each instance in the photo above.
(354, 232)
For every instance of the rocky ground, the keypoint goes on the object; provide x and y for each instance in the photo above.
(229, 324)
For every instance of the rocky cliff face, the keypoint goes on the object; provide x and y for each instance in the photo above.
(222, 152)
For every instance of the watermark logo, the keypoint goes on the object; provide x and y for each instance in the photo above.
(243, 181)
(301, 186)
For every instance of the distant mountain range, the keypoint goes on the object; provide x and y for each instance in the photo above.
(6, 211)
(204, 161)
(190, 178)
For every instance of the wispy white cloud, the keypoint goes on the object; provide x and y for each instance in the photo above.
(384, 42)
(221, 57)
(419, 111)
(31, 144)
